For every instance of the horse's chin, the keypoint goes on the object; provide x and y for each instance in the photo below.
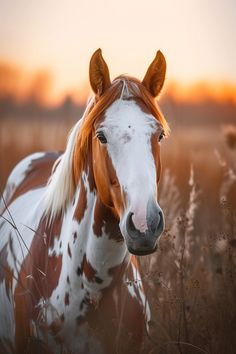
(142, 252)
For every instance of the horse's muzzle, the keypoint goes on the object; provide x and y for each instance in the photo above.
(144, 243)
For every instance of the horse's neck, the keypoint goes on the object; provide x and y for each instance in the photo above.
(94, 249)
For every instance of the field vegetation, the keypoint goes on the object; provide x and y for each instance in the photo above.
(191, 281)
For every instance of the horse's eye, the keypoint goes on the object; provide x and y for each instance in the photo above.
(101, 137)
(161, 136)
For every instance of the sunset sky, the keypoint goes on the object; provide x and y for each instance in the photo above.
(196, 36)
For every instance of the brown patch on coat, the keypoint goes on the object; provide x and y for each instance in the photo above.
(104, 217)
(6, 273)
(39, 275)
(99, 216)
(4, 264)
(56, 327)
(37, 174)
(67, 299)
(89, 271)
(82, 203)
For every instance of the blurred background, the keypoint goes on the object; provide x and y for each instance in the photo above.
(45, 52)
(44, 57)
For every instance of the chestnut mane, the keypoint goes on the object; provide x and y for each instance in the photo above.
(67, 174)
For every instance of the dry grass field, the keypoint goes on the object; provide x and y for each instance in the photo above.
(191, 280)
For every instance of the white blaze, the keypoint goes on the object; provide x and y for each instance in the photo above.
(128, 130)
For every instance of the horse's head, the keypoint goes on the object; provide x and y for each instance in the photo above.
(126, 138)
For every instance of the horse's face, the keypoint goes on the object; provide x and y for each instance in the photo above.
(126, 157)
(126, 166)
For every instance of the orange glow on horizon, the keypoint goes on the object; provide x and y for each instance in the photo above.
(39, 86)
(62, 36)
(201, 91)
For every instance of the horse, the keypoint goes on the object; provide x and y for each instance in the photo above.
(73, 223)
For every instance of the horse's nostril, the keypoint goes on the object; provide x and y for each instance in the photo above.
(132, 231)
(131, 223)
(156, 223)
(160, 226)
(153, 224)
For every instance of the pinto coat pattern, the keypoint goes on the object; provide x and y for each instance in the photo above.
(72, 224)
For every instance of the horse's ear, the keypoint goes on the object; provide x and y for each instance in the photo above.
(99, 73)
(155, 75)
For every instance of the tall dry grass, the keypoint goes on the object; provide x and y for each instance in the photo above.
(191, 280)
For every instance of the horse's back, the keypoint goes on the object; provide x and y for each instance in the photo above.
(30, 173)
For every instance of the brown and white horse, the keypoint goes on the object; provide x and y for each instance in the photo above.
(70, 222)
